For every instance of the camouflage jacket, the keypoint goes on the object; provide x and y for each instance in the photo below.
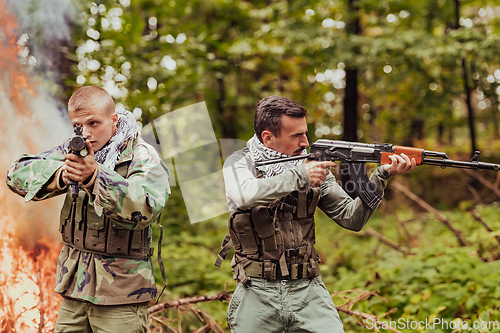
(135, 201)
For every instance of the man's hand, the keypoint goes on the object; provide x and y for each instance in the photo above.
(400, 164)
(77, 168)
(317, 171)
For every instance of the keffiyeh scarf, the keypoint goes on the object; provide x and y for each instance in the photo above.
(126, 128)
(262, 153)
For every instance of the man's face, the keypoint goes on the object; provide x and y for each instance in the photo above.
(98, 126)
(292, 139)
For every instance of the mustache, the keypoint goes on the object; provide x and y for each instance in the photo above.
(300, 150)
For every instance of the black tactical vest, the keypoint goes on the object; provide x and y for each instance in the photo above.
(82, 229)
(275, 241)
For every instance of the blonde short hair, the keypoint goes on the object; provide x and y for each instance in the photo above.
(91, 96)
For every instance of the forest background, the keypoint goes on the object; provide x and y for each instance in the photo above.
(424, 74)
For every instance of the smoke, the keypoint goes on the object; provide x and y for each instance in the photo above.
(47, 26)
(32, 34)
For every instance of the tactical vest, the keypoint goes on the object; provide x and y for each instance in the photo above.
(82, 229)
(274, 241)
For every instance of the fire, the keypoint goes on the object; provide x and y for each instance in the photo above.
(28, 300)
(28, 254)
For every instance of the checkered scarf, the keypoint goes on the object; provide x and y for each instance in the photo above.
(262, 153)
(126, 128)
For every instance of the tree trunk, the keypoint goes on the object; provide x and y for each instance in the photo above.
(351, 106)
(225, 116)
(467, 88)
(470, 110)
(351, 93)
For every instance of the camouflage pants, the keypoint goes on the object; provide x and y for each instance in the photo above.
(84, 317)
(283, 306)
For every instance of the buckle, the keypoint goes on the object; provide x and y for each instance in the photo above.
(300, 271)
(292, 252)
(281, 277)
(287, 208)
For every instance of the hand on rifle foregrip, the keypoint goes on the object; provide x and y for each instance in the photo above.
(400, 164)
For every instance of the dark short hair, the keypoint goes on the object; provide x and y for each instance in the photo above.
(269, 111)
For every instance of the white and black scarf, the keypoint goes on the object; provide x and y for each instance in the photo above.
(126, 128)
(262, 153)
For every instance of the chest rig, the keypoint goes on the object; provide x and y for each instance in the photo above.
(274, 241)
(84, 230)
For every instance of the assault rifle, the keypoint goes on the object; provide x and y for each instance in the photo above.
(78, 147)
(355, 155)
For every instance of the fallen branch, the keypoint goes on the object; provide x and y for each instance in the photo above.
(389, 209)
(497, 181)
(475, 193)
(429, 208)
(364, 295)
(221, 296)
(367, 316)
(484, 181)
(479, 218)
(165, 323)
(380, 237)
(347, 308)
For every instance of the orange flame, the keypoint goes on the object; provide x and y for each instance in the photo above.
(17, 79)
(28, 302)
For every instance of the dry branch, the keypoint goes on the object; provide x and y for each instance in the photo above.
(221, 296)
(497, 181)
(479, 218)
(475, 193)
(347, 308)
(389, 209)
(406, 191)
(380, 237)
(484, 181)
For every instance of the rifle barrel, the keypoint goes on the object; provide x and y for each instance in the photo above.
(460, 164)
(282, 159)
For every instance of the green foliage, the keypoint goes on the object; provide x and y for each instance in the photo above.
(161, 55)
(440, 280)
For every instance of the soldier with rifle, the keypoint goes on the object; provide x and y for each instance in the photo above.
(116, 186)
(271, 224)
(272, 194)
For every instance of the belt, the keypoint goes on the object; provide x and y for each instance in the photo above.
(297, 271)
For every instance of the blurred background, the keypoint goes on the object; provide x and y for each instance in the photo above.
(416, 73)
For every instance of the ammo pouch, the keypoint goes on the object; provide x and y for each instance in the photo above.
(279, 238)
(253, 233)
(263, 221)
(84, 230)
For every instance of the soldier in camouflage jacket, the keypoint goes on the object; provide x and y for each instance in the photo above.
(98, 287)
